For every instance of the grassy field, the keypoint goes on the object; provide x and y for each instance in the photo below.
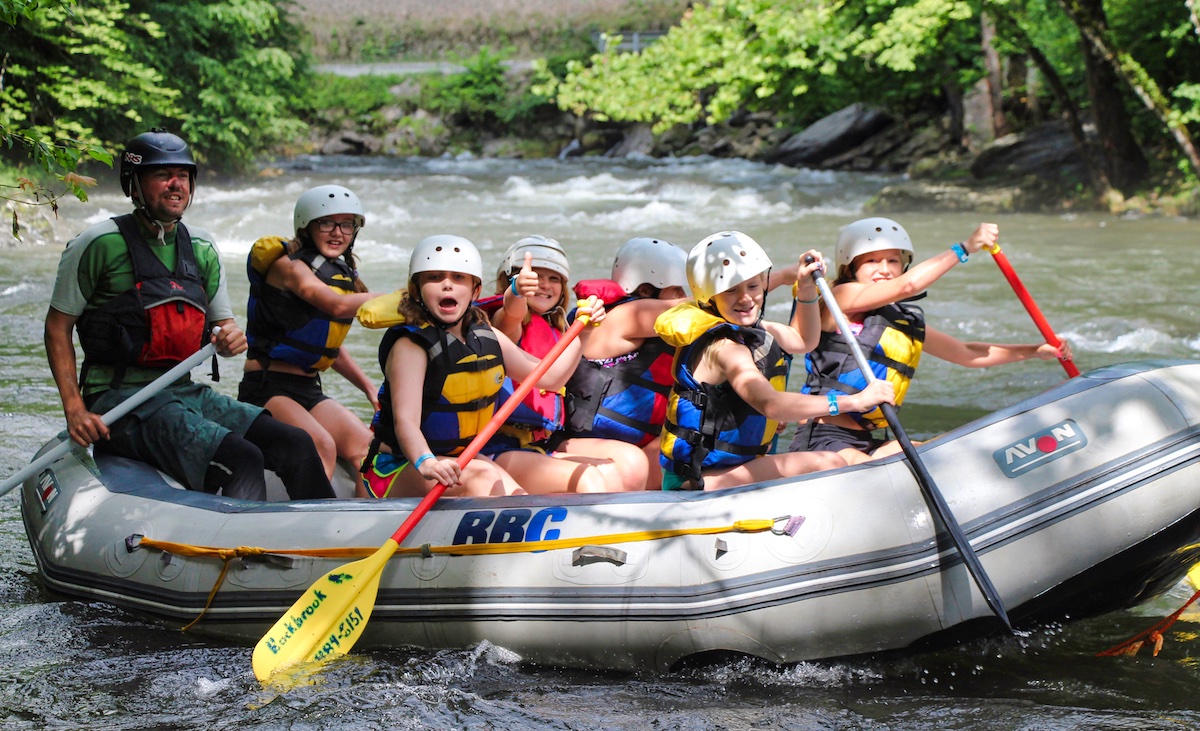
(381, 30)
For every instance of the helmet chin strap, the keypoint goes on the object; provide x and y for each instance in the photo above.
(161, 226)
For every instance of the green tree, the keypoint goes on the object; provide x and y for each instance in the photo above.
(804, 58)
(239, 67)
(67, 84)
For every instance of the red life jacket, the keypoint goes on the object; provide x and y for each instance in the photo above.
(158, 322)
(541, 412)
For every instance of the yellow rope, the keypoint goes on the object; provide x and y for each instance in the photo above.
(469, 549)
(472, 549)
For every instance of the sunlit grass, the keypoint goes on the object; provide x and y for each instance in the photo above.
(375, 30)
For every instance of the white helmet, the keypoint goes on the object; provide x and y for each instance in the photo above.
(326, 200)
(547, 254)
(649, 261)
(722, 261)
(871, 234)
(445, 253)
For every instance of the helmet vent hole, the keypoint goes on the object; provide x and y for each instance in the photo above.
(438, 249)
(727, 262)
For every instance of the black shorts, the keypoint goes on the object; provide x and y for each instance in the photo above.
(260, 386)
(818, 437)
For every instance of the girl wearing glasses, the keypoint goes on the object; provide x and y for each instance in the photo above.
(304, 294)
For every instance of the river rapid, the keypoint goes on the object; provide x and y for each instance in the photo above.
(1118, 288)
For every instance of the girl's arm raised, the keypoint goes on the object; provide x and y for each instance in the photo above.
(981, 355)
(804, 334)
(519, 364)
(510, 318)
(862, 296)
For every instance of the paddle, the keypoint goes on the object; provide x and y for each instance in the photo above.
(328, 619)
(1030, 306)
(923, 477)
(116, 412)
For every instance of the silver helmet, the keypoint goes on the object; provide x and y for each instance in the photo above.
(645, 260)
(326, 200)
(547, 254)
(722, 261)
(445, 253)
(871, 234)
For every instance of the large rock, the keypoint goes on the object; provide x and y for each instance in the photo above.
(352, 143)
(638, 140)
(1046, 152)
(830, 137)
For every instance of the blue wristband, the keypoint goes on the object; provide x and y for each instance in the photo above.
(833, 407)
(421, 460)
(514, 288)
(960, 251)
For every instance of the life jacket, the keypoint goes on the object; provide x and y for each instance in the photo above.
(710, 425)
(282, 326)
(542, 412)
(891, 338)
(621, 398)
(462, 381)
(158, 322)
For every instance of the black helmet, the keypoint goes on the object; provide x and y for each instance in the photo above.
(154, 149)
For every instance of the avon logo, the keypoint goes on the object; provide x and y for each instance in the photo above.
(1040, 448)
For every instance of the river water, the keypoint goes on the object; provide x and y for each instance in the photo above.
(1119, 289)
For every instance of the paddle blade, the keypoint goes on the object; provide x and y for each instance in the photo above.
(326, 620)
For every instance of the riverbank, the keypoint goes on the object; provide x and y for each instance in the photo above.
(433, 109)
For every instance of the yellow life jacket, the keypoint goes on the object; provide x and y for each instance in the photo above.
(282, 326)
(710, 425)
(892, 339)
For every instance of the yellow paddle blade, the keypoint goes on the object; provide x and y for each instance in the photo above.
(326, 620)
(1194, 576)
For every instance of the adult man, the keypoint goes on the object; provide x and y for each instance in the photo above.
(144, 291)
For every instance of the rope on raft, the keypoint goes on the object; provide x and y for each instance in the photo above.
(225, 555)
(1155, 633)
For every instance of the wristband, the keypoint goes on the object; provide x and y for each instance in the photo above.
(960, 252)
(421, 460)
(833, 407)
(514, 289)
(796, 295)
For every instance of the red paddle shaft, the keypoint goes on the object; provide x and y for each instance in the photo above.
(1030, 306)
(495, 423)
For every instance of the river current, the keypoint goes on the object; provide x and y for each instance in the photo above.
(1118, 288)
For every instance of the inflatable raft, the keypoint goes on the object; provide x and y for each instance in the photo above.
(1081, 500)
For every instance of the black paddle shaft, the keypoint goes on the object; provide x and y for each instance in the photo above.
(924, 479)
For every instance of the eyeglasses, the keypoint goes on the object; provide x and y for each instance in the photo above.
(326, 226)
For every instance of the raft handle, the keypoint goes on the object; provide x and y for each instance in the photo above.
(585, 555)
(791, 524)
(133, 542)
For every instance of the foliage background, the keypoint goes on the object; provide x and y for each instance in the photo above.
(235, 77)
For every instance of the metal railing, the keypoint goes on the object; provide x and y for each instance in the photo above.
(632, 41)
